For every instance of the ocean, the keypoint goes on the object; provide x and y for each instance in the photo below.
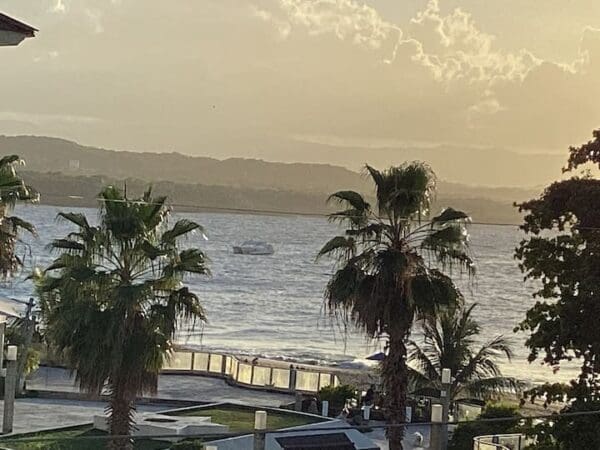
(272, 306)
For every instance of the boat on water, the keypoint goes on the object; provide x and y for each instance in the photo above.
(253, 248)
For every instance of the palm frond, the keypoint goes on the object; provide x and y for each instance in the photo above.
(450, 215)
(426, 363)
(338, 244)
(181, 228)
(75, 218)
(352, 198)
(493, 387)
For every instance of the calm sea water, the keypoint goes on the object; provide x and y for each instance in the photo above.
(272, 305)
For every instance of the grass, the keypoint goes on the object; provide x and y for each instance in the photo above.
(67, 439)
(238, 419)
(241, 420)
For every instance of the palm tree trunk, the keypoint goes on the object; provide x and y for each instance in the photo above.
(395, 382)
(121, 409)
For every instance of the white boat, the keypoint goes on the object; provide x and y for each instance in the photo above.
(253, 248)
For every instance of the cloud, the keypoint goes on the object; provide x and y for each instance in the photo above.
(42, 119)
(454, 47)
(443, 66)
(91, 12)
(348, 20)
(59, 7)
(451, 46)
(94, 17)
(50, 55)
(283, 27)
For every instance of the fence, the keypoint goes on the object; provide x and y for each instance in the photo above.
(499, 442)
(258, 375)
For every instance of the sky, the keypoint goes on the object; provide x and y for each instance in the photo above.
(242, 77)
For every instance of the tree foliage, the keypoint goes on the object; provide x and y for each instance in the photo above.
(337, 395)
(114, 298)
(562, 253)
(390, 262)
(12, 190)
(450, 342)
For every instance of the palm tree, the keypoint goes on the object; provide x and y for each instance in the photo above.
(449, 342)
(113, 299)
(12, 190)
(389, 268)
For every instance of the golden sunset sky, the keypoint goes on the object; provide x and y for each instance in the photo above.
(241, 78)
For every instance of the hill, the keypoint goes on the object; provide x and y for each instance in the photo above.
(71, 174)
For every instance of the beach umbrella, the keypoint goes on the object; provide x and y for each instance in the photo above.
(378, 356)
(10, 307)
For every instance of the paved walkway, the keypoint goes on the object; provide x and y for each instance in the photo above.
(179, 387)
(33, 414)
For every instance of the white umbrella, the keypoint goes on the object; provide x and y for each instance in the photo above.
(11, 307)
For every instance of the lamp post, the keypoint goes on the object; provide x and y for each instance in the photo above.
(9, 389)
(445, 396)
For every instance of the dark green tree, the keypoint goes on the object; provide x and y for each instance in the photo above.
(12, 190)
(389, 261)
(114, 297)
(562, 253)
(450, 342)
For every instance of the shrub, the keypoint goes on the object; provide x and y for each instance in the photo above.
(462, 439)
(336, 396)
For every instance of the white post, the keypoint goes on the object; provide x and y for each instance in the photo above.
(2, 333)
(366, 412)
(445, 395)
(435, 439)
(408, 414)
(325, 408)
(260, 425)
(9, 389)
(211, 447)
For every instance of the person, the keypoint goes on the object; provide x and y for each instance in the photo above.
(369, 397)
(255, 361)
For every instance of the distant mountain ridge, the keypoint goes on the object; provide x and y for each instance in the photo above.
(44, 154)
(63, 169)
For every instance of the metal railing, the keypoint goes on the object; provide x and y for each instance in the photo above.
(499, 442)
(256, 375)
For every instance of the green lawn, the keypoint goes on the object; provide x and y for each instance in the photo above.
(68, 440)
(241, 420)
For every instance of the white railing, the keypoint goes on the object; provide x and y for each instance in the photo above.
(499, 442)
(257, 375)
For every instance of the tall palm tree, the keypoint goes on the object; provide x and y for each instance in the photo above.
(450, 342)
(113, 299)
(389, 268)
(12, 190)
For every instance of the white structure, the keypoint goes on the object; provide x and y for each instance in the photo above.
(149, 424)
(500, 442)
(13, 32)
